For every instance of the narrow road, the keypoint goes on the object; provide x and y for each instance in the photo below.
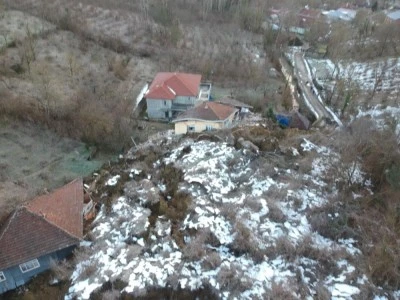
(310, 92)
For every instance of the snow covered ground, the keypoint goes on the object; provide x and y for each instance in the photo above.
(381, 116)
(382, 75)
(246, 233)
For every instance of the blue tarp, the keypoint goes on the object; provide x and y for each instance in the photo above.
(283, 120)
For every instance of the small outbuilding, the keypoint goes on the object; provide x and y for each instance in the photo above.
(293, 120)
(206, 116)
(242, 107)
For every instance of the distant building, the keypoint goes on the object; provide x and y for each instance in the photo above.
(242, 107)
(172, 93)
(362, 3)
(307, 17)
(205, 117)
(293, 120)
(394, 16)
(47, 228)
(341, 14)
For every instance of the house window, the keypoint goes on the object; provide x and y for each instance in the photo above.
(30, 265)
(190, 128)
(165, 103)
(2, 277)
(209, 128)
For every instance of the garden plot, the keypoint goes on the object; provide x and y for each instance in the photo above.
(383, 75)
(33, 159)
(246, 234)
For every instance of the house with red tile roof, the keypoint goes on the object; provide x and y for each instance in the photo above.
(206, 116)
(45, 229)
(307, 17)
(172, 93)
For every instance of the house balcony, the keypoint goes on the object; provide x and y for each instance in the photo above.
(180, 107)
(205, 91)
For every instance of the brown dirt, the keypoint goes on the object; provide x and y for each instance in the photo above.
(39, 288)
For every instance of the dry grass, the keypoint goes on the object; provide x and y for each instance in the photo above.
(275, 214)
(322, 293)
(171, 177)
(285, 248)
(212, 260)
(229, 211)
(233, 279)
(111, 295)
(253, 203)
(87, 271)
(279, 292)
(61, 269)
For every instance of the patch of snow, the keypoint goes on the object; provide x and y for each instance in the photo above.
(113, 180)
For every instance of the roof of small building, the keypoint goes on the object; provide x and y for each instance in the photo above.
(394, 15)
(309, 13)
(63, 207)
(48, 223)
(207, 111)
(168, 85)
(299, 121)
(233, 102)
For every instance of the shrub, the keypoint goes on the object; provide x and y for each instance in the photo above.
(333, 221)
(384, 261)
(322, 293)
(285, 248)
(162, 14)
(325, 257)
(279, 292)
(251, 19)
(233, 279)
(61, 270)
(171, 176)
(87, 271)
(212, 261)
(253, 203)
(275, 214)
(81, 254)
(195, 249)
(242, 238)
(177, 207)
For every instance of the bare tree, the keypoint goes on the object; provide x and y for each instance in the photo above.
(45, 98)
(73, 66)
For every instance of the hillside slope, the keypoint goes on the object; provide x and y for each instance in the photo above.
(241, 224)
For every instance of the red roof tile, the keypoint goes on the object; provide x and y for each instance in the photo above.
(208, 111)
(169, 85)
(63, 207)
(47, 224)
(233, 102)
(27, 236)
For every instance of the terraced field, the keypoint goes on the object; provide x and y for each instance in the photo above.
(199, 44)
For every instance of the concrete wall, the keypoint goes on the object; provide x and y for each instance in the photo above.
(199, 126)
(181, 127)
(156, 108)
(15, 277)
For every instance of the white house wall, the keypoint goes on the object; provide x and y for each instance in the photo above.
(186, 100)
(156, 108)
